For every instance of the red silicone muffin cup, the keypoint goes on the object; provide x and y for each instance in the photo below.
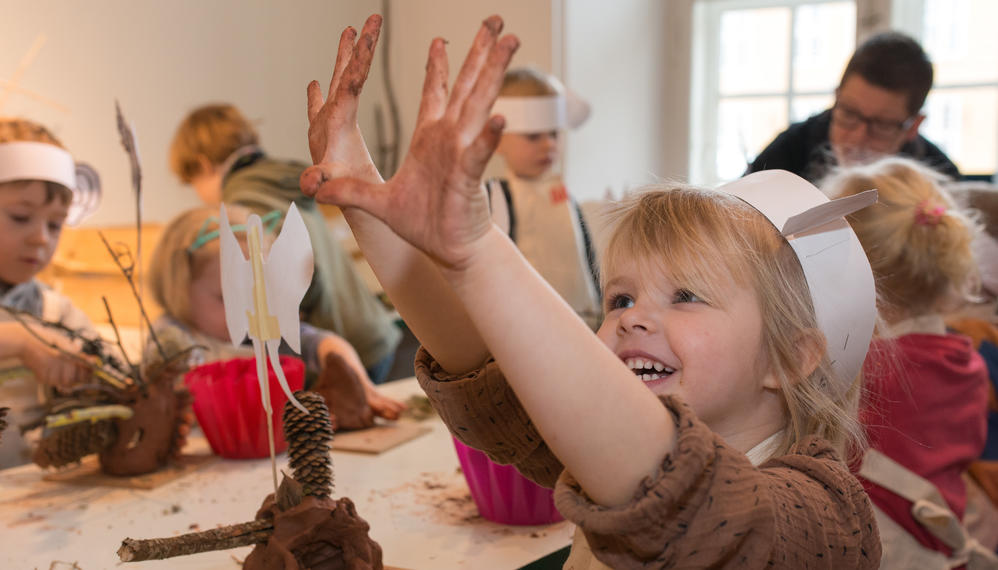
(502, 494)
(226, 401)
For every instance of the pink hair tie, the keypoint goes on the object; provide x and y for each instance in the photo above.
(929, 214)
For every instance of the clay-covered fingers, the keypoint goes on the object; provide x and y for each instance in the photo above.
(352, 192)
(483, 43)
(478, 105)
(383, 406)
(356, 69)
(477, 155)
(343, 55)
(434, 100)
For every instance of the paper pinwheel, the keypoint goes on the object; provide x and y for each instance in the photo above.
(262, 295)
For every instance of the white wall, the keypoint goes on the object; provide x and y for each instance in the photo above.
(615, 58)
(160, 59)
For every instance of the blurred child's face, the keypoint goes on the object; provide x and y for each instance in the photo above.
(531, 155)
(207, 308)
(711, 357)
(29, 229)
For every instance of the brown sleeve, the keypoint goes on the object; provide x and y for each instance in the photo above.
(707, 506)
(481, 410)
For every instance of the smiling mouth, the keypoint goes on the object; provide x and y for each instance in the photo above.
(647, 369)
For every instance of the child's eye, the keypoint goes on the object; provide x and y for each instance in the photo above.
(619, 301)
(55, 227)
(18, 219)
(686, 296)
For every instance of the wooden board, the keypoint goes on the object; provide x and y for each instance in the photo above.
(379, 438)
(88, 473)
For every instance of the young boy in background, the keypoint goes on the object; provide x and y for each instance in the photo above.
(530, 202)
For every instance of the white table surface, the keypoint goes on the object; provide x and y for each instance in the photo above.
(413, 496)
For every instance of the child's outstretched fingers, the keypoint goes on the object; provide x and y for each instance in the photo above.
(435, 200)
(473, 63)
(334, 139)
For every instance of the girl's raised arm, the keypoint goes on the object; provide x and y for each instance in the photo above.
(338, 150)
(597, 417)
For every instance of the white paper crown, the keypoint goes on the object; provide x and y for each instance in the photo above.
(541, 113)
(836, 268)
(28, 160)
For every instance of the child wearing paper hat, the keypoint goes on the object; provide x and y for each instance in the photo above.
(185, 279)
(925, 412)
(530, 201)
(38, 178)
(704, 425)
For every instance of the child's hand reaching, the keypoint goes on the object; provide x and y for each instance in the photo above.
(50, 367)
(334, 138)
(435, 201)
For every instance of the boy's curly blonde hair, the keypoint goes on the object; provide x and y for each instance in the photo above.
(211, 132)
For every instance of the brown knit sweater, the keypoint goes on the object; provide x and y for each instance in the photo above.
(706, 507)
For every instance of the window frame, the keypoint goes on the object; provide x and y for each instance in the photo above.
(705, 81)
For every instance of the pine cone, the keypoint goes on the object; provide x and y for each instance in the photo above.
(72, 443)
(309, 439)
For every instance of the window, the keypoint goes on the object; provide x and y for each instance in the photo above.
(759, 66)
(962, 108)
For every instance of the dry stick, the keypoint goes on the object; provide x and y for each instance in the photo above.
(104, 375)
(127, 272)
(136, 373)
(223, 538)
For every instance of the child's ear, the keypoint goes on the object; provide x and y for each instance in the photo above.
(811, 348)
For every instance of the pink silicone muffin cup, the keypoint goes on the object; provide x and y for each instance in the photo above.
(502, 494)
(226, 401)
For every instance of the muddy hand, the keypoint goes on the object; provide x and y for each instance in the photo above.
(435, 201)
(334, 139)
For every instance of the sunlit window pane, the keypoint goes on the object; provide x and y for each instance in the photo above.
(745, 126)
(824, 38)
(960, 37)
(962, 122)
(755, 49)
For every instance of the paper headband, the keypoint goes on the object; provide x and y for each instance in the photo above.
(836, 268)
(541, 113)
(24, 160)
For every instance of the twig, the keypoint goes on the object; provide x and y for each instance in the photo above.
(136, 373)
(233, 536)
(98, 371)
(127, 272)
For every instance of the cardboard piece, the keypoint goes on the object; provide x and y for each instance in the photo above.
(379, 438)
(88, 473)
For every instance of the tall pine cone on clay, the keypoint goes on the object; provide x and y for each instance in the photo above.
(309, 439)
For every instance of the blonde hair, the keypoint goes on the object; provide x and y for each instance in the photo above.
(23, 130)
(705, 237)
(917, 239)
(212, 131)
(528, 82)
(175, 265)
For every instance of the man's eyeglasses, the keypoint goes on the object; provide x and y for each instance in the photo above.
(850, 119)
